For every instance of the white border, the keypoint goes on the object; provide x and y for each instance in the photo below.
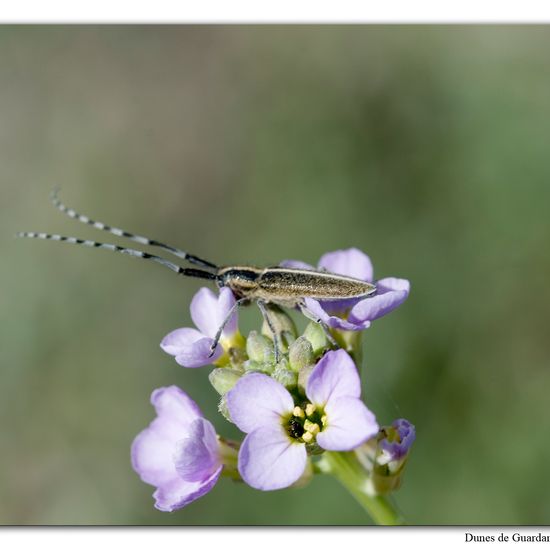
(256, 11)
(281, 11)
(318, 538)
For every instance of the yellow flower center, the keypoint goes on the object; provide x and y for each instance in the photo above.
(305, 423)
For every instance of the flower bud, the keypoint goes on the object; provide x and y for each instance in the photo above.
(259, 348)
(283, 325)
(255, 366)
(223, 379)
(317, 338)
(285, 376)
(300, 354)
(392, 451)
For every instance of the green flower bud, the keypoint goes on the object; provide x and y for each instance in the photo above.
(285, 376)
(266, 368)
(223, 379)
(317, 338)
(259, 348)
(300, 354)
(283, 325)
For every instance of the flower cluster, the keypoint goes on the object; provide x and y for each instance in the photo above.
(293, 409)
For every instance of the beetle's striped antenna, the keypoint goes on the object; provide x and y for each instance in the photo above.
(230, 314)
(187, 271)
(131, 236)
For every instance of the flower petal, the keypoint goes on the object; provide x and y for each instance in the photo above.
(339, 308)
(196, 457)
(198, 354)
(173, 496)
(332, 321)
(174, 406)
(391, 293)
(351, 262)
(397, 448)
(151, 456)
(349, 424)
(257, 400)
(208, 311)
(393, 283)
(152, 449)
(179, 339)
(269, 459)
(334, 376)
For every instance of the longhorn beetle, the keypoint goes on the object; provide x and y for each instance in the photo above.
(282, 286)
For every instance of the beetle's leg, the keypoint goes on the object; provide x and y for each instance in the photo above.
(310, 315)
(265, 314)
(234, 307)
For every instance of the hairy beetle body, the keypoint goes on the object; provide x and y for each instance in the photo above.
(288, 286)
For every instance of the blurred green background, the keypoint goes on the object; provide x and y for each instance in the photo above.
(427, 147)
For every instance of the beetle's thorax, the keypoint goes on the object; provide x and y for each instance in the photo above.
(242, 280)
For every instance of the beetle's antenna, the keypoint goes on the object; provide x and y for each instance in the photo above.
(228, 317)
(187, 271)
(122, 233)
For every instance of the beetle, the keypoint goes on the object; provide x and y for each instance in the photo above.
(281, 286)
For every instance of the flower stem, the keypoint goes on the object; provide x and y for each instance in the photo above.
(229, 451)
(345, 467)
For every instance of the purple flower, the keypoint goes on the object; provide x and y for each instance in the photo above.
(190, 346)
(178, 453)
(396, 441)
(273, 455)
(355, 314)
(386, 456)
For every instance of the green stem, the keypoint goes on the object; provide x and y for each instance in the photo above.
(348, 471)
(229, 451)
